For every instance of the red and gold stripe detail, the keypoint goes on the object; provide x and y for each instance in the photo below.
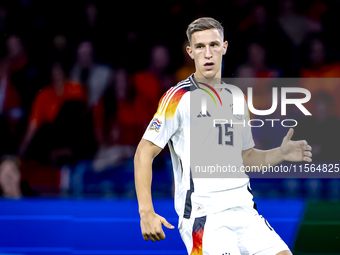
(170, 100)
(197, 236)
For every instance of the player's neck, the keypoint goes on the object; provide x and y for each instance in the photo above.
(211, 81)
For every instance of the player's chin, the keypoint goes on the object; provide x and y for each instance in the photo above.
(209, 74)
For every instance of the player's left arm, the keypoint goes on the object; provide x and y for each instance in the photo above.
(289, 150)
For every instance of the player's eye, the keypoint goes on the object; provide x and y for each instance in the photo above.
(199, 47)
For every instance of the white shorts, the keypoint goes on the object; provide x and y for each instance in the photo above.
(235, 231)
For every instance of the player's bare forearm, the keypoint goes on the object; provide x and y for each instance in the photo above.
(151, 223)
(145, 154)
(289, 150)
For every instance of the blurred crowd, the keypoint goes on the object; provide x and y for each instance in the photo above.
(80, 81)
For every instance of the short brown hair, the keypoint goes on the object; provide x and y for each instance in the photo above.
(202, 24)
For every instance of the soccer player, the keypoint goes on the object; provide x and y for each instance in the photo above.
(216, 216)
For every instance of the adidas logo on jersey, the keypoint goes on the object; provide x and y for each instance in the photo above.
(203, 115)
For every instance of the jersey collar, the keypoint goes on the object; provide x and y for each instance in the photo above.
(193, 81)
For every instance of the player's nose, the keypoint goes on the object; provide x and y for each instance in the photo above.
(208, 54)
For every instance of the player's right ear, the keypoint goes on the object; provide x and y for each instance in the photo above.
(189, 51)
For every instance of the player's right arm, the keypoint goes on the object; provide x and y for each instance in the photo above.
(162, 127)
(151, 223)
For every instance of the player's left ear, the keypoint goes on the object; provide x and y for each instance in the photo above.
(225, 47)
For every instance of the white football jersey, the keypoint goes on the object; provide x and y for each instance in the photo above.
(197, 146)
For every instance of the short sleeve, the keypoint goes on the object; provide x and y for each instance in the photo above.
(167, 119)
(247, 137)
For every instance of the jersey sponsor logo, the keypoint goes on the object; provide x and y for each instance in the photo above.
(155, 125)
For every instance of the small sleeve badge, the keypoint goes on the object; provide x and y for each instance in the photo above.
(155, 125)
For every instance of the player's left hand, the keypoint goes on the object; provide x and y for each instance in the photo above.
(295, 150)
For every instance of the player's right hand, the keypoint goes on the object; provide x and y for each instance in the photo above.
(151, 226)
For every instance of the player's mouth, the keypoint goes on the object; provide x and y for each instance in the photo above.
(209, 65)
